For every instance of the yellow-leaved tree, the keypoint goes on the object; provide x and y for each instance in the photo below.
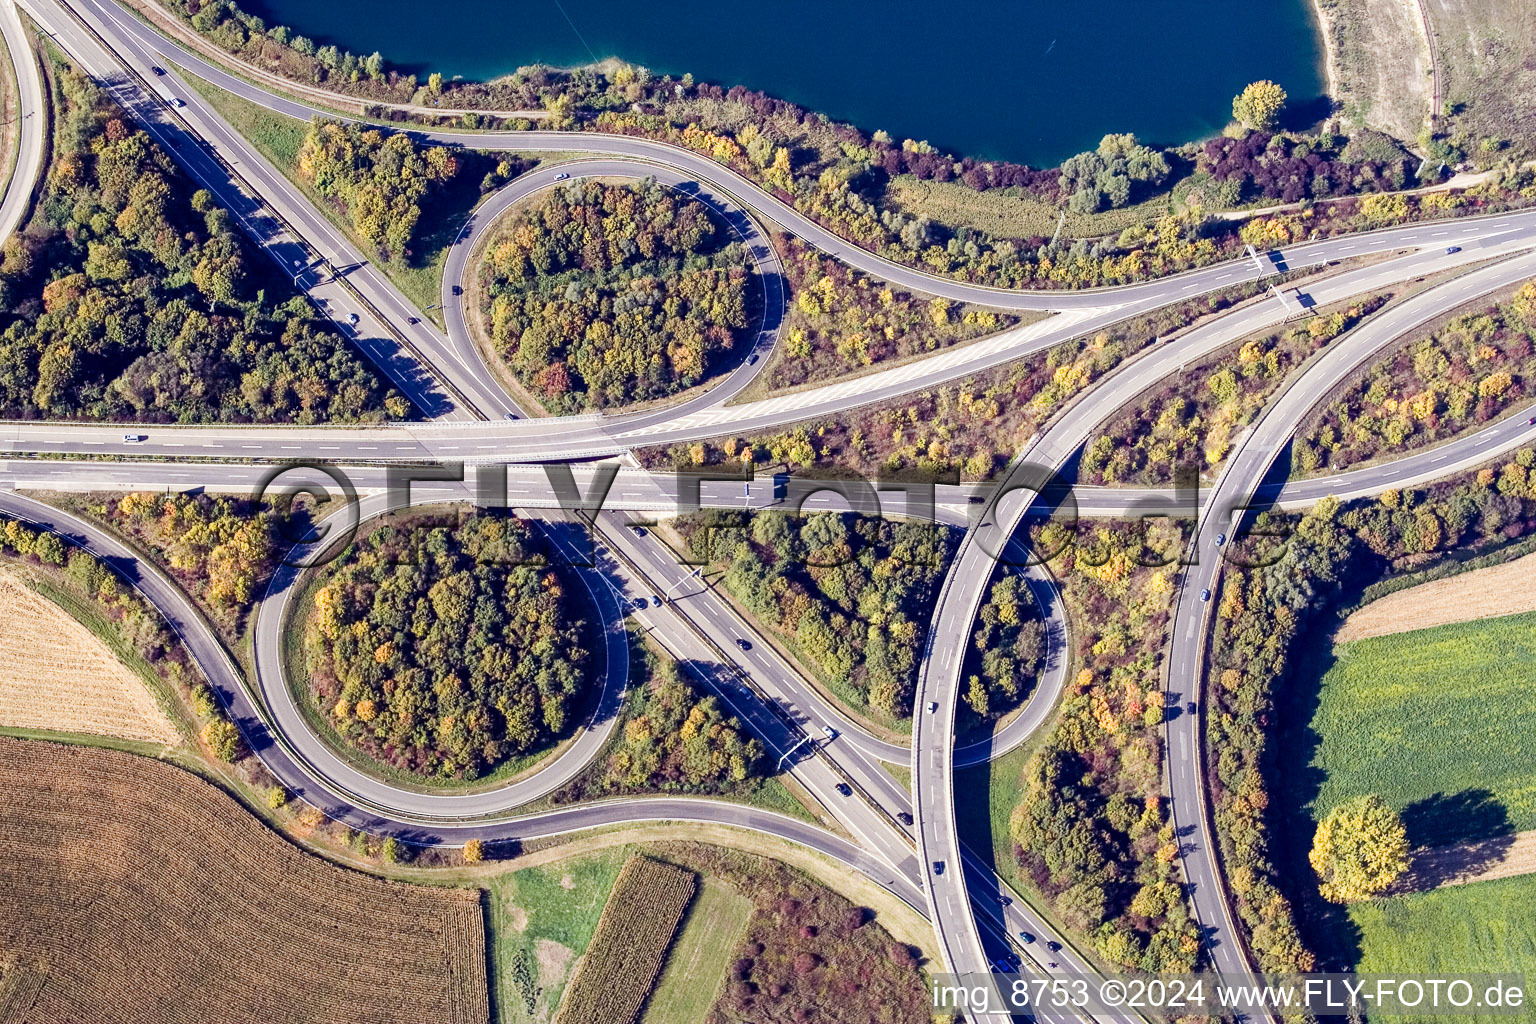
(1360, 849)
(1258, 106)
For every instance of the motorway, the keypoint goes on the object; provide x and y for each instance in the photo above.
(444, 374)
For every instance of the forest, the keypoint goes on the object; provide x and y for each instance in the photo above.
(851, 595)
(603, 295)
(1007, 648)
(1462, 375)
(1189, 420)
(131, 296)
(220, 548)
(444, 648)
(1090, 830)
(1267, 613)
(838, 174)
(842, 321)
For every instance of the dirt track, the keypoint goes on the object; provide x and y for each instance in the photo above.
(1481, 594)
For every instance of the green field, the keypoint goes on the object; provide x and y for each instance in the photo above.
(700, 956)
(1489, 926)
(541, 919)
(1441, 723)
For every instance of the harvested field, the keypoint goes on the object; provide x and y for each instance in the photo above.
(132, 891)
(1480, 594)
(1478, 860)
(55, 674)
(1379, 63)
(627, 952)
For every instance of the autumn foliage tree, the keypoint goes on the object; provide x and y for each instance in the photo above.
(382, 180)
(851, 594)
(1258, 106)
(1360, 849)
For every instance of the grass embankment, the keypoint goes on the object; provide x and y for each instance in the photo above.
(703, 949)
(10, 111)
(1009, 213)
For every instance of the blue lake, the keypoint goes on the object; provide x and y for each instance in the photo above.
(1025, 80)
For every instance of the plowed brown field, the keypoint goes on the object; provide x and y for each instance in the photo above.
(131, 891)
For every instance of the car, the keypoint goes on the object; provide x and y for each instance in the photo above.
(457, 290)
(751, 358)
(656, 600)
(639, 530)
(1053, 963)
(829, 732)
(176, 102)
(641, 602)
(158, 70)
(1013, 959)
(975, 499)
(904, 818)
(1452, 250)
(933, 706)
(845, 789)
(135, 438)
(413, 319)
(1005, 901)
(1221, 539)
(1191, 708)
(1026, 938)
(1000, 965)
(1053, 946)
(1205, 595)
(1531, 421)
(353, 319)
(938, 867)
(561, 176)
(743, 644)
(509, 416)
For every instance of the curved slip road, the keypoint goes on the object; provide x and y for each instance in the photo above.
(274, 620)
(33, 112)
(1238, 481)
(1157, 293)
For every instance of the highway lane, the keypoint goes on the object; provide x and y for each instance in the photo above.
(281, 739)
(965, 586)
(590, 436)
(1256, 271)
(121, 24)
(1239, 480)
(32, 111)
(302, 241)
